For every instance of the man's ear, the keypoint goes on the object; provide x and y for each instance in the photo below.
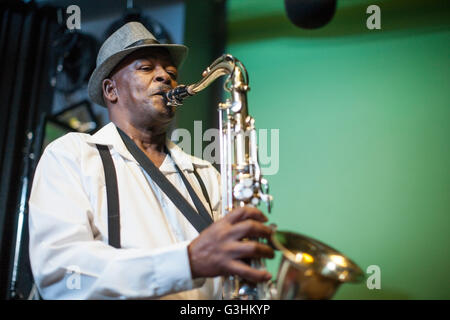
(110, 90)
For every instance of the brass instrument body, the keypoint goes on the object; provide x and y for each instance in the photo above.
(309, 269)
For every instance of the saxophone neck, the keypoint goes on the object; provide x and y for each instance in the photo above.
(225, 65)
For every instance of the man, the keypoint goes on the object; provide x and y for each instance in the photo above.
(160, 254)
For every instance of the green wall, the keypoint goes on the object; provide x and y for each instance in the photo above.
(364, 132)
(204, 36)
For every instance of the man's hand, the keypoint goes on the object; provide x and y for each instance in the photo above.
(218, 250)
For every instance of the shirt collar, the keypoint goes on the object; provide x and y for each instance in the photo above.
(108, 135)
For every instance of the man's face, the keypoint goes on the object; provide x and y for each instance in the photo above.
(140, 79)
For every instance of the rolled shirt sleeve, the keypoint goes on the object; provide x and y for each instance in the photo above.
(67, 260)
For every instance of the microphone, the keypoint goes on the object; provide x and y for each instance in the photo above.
(310, 14)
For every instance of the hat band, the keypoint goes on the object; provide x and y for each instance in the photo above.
(141, 42)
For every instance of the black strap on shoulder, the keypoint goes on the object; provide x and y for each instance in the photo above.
(204, 191)
(198, 203)
(112, 196)
(200, 219)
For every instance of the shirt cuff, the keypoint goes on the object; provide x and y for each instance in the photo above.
(175, 271)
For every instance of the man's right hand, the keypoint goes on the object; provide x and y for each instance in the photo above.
(218, 250)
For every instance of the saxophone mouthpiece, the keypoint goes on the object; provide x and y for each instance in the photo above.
(176, 96)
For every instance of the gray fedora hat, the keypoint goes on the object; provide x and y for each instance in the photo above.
(129, 38)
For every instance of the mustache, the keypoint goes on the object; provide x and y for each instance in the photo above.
(161, 90)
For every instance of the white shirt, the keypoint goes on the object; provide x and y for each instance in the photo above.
(69, 251)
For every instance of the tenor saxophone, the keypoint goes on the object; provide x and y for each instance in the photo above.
(309, 269)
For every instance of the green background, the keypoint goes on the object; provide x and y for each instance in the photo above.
(363, 118)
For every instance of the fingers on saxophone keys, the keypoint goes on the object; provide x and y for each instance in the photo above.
(244, 213)
(252, 249)
(250, 229)
(245, 271)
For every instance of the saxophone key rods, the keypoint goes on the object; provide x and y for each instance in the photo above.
(309, 269)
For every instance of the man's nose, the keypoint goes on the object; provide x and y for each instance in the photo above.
(162, 76)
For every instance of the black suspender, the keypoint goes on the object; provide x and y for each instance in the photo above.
(200, 219)
(112, 196)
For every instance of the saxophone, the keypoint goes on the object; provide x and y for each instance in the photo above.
(309, 269)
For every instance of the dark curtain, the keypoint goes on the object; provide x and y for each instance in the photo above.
(25, 98)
